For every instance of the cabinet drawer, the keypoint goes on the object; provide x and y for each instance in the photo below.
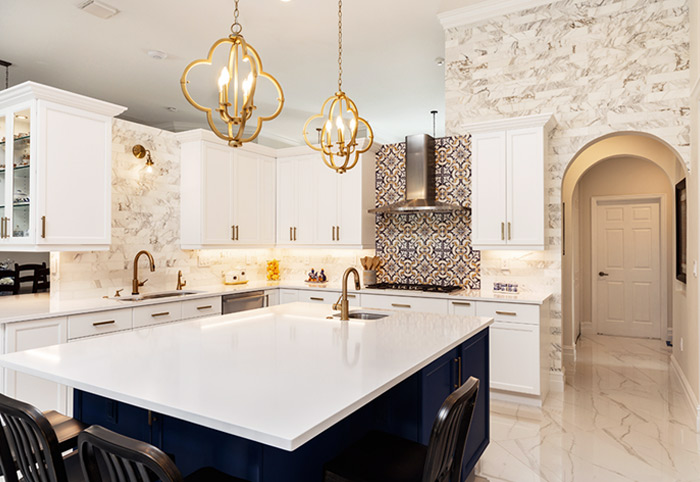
(154, 314)
(514, 355)
(461, 307)
(201, 307)
(509, 312)
(405, 303)
(98, 323)
(288, 296)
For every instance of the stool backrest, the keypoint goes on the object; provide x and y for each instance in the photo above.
(449, 434)
(29, 436)
(122, 458)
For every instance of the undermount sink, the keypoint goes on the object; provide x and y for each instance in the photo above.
(364, 315)
(155, 296)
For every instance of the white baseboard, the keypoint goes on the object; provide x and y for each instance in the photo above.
(556, 380)
(519, 398)
(689, 394)
(568, 354)
(587, 328)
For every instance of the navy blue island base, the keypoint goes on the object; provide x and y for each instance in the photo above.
(407, 410)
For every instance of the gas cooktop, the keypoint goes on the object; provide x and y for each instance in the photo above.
(415, 287)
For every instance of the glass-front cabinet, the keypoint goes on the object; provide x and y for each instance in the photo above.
(55, 170)
(16, 154)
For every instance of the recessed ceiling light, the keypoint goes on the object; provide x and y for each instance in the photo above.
(172, 109)
(157, 54)
(440, 61)
(98, 9)
(286, 1)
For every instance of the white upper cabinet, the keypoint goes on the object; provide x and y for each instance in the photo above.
(508, 201)
(319, 207)
(55, 170)
(227, 195)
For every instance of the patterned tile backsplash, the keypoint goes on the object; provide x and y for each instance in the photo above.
(427, 248)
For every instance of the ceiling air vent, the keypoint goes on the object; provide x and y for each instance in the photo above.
(98, 9)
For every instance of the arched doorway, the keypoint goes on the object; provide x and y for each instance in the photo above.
(614, 166)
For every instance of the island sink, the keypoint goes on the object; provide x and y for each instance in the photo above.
(364, 315)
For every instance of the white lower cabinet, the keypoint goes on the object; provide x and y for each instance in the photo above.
(519, 345)
(272, 297)
(288, 296)
(157, 314)
(99, 323)
(201, 307)
(464, 308)
(26, 335)
(404, 303)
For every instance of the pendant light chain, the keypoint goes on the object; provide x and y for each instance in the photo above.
(340, 45)
(236, 28)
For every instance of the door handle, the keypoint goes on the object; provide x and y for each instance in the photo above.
(601, 274)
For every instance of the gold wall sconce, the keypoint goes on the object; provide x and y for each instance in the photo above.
(140, 152)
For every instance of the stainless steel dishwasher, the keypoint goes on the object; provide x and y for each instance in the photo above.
(243, 301)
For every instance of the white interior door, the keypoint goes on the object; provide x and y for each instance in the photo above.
(626, 268)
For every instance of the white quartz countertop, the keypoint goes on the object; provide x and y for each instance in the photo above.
(44, 305)
(278, 375)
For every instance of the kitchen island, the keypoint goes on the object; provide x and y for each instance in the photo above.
(271, 394)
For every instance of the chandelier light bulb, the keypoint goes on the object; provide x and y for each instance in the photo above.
(224, 78)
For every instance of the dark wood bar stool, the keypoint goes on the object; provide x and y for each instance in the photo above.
(36, 274)
(9, 288)
(128, 460)
(32, 442)
(381, 457)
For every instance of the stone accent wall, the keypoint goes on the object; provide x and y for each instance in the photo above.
(599, 66)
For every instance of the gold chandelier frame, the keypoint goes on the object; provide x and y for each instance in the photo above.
(239, 51)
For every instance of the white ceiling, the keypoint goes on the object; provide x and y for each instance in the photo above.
(390, 48)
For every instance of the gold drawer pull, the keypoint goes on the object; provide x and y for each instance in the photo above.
(461, 303)
(102, 323)
(508, 313)
(164, 313)
(399, 305)
(208, 307)
(43, 226)
(352, 296)
(314, 298)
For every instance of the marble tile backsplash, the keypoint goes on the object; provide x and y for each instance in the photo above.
(146, 215)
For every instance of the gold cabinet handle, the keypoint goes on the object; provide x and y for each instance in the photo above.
(337, 233)
(461, 303)
(103, 323)
(237, 238)
(333, 231)
(4, 228)
(399, 305)
(164, 313)
(503, 233)
(233, 233)
(208, 307)
(458, 383)
(43, 226)
(295, 233)
(509, 231)
(315, 298)
(352, 296)
(507, 313)
(290, 234)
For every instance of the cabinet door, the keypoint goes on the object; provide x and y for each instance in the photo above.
(464, 308)
(515, 352)
(438, 380)
(272, 297)
(5, 160)
(286, 200)
(247, 179)
(43, 394)
(525, 187)
(307, 185)
(288, 296)
(327, 197)
(217, 209)
(267, 189)
(74, 172)
(350, 213)
(489, 189)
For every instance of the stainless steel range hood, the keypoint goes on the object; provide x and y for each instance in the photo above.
(420, 181)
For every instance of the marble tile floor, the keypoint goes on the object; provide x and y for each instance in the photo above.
(621, 417)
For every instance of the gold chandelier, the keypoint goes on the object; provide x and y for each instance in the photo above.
(338, 138)
(243, 90)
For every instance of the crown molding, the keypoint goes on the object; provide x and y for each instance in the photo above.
(27, 91)
(199, 135)
(546, 121)
(485, 10)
